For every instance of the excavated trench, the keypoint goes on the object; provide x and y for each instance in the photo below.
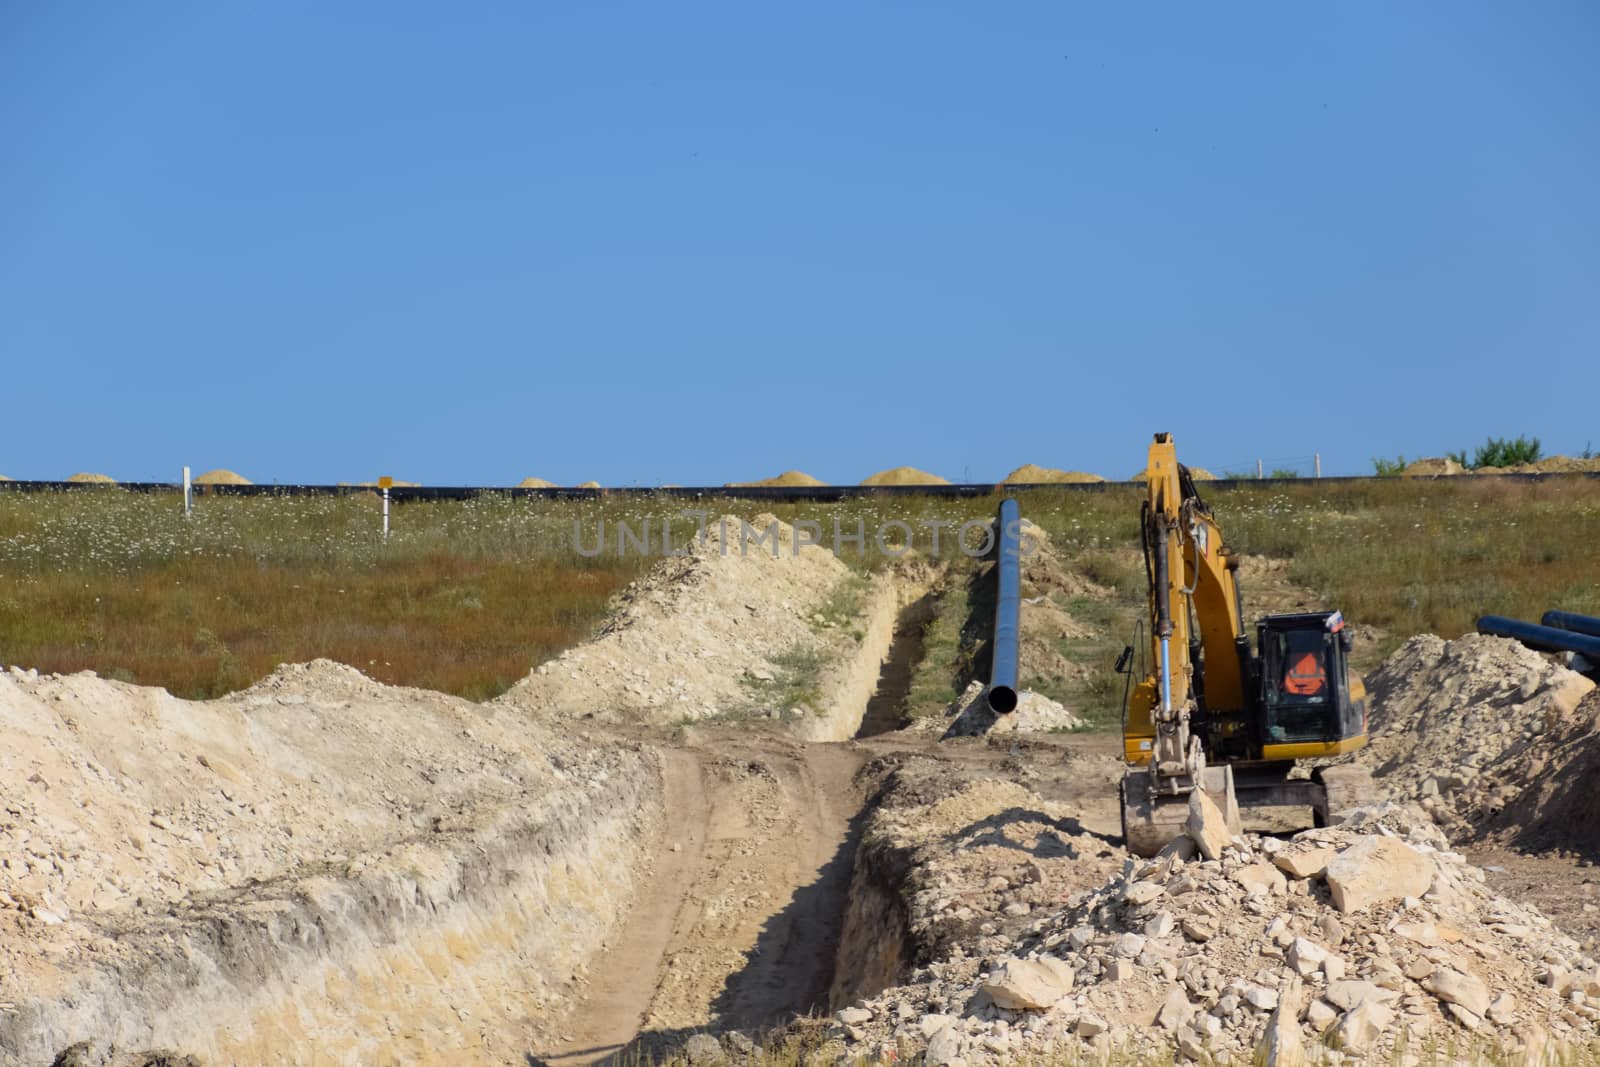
(885, 710)
(778, 913)
(752, 904)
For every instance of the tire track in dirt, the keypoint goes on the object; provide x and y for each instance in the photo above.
(738, 924)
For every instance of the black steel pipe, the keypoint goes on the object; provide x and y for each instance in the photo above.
(1002, 693)
(1542, 638)
(1571, 620)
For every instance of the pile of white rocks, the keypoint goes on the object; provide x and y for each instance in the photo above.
(1449, 717)
(1347, 944)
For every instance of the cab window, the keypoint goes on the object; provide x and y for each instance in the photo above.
(1300, 687)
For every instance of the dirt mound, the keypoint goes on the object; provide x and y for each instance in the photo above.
(1369, 935)
(903, 476)
(970, 715)
(731, 627)
(954, 865)
(83, 477)
(318, 848)
(535, 483)
(1199, 474)
(222, 477)
(1558, 806)
(1043, 573)
(1567, 464)
(1031, 474)
(1446, 716)
(1433, 466)
(1548, 465)
(787, 478)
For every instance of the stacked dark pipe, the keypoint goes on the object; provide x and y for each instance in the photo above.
(1562, 631)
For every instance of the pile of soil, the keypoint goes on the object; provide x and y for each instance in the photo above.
(1549, 465)
(1030, 474)
(787, 478)
(1433, 467)
(971, 716)
(221, 476)
(1199, 474)
(319, 860)
(719, 630)
(83, 477)
(535, 483)
(1451, 721)
(1558, 807)
(904, 476)
(1369, 936)
(955, 863)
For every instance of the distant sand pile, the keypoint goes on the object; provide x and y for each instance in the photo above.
(535, 483)
(904, 476)
(1549, 465)
(1199, 474)
(787, 478)
(1432, 467)
(1032, 474)
(92, 479)
(221, 476)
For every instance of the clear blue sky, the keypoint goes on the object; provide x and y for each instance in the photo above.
(682, 242)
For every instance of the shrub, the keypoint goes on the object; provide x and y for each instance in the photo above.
(1501, 452)
(1389, 468)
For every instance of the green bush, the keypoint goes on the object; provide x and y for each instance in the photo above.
(1389, 468)
(1501, 452)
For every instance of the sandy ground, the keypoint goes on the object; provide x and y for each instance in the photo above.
(643, 842)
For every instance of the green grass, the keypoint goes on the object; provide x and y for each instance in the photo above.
(467, 596)
(794, 684)
(842, 609)
(938, 677)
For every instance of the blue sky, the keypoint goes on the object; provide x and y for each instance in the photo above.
(645, 242)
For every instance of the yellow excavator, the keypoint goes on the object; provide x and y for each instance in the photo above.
(1214, 713)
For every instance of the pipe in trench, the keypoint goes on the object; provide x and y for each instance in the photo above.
(1002, 694)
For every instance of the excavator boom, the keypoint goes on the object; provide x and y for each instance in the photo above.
(1206, 712)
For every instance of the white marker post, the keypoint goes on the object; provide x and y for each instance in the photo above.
(188, 495)
(384, 483)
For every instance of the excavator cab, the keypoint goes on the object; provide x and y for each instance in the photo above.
(1307, 706)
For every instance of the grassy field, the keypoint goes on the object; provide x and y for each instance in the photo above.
(467, 596)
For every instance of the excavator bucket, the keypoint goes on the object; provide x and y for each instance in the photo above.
(1150, 823)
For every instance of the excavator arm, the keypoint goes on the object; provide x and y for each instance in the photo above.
(1195, 619)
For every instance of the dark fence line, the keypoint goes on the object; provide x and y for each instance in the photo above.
(824, 493)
